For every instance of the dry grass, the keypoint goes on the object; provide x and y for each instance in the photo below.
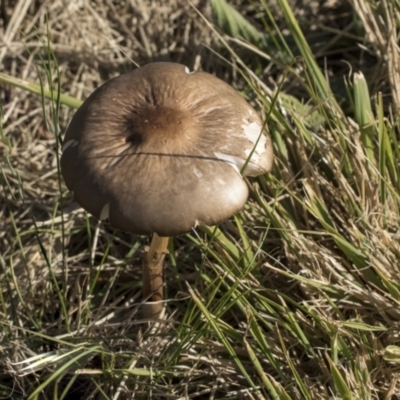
(297, 297)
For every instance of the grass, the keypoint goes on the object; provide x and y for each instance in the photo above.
(296, 297)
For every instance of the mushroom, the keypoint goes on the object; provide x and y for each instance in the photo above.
(161, 150)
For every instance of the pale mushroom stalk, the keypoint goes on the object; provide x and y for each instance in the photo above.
(153, 281)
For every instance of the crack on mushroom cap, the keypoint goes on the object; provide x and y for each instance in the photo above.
(187, 70)
(197, 172)
(252, 167)
(69, 143)
(254, 133)
(105, 212)
(197, 223)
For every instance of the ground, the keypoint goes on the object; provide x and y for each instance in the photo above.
(295, 297)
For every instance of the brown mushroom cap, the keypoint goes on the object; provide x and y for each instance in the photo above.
(161, 150)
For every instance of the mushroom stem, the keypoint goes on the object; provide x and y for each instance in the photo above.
(153, 277)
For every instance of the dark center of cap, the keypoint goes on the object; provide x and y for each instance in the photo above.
(158, 126)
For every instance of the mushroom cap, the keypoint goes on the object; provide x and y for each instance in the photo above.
(161, 150)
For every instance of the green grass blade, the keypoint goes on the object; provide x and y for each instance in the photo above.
(66, 100)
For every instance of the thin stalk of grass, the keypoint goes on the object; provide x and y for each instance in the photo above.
(17, 291)
(221, 336)
(67, 388)
(275, 390)
(363, 115)
(385, 154)
(55, 111)
(340, 384)
(34, 88)
(63, 369)
(299, 381)
(323, 90)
